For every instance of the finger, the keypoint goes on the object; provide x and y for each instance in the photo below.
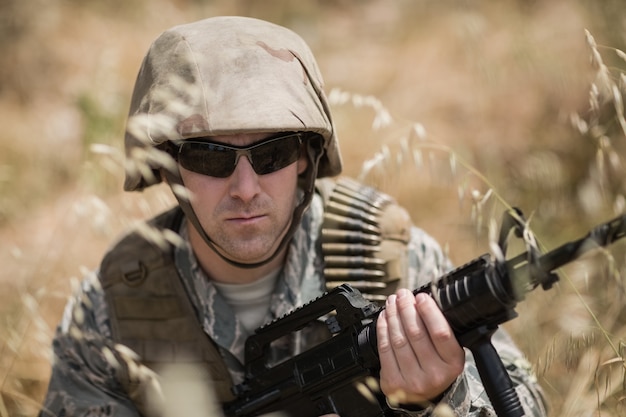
(404, 327)
(385, 350)
(400, 362)
(423, 354)
(430, 337)
(413, 326)
(391, 380)
(441, 335)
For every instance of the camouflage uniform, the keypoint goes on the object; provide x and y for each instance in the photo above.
(85, 377)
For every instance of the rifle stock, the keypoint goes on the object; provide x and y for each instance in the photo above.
(475, 299)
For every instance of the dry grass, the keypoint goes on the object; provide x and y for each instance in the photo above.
(458, 109)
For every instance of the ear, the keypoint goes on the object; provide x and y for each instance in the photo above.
(303, 161)
(163, 176)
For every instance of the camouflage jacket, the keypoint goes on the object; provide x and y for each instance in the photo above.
(88, 365)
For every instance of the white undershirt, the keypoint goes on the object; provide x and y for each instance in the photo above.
(251, 302)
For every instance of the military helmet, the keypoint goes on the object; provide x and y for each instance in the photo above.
(220, 76)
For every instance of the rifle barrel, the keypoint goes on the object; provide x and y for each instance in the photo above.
(600, 236)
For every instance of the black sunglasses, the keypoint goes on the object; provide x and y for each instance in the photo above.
(219, 160)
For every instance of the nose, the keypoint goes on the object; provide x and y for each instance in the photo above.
(244, 182)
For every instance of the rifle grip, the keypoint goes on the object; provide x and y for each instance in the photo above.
(496, 379)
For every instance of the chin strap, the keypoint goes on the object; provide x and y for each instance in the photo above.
(308, 185)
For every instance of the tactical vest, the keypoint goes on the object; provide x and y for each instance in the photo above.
(150, 311)
(364, 243)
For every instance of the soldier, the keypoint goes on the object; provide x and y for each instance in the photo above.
(231, 113)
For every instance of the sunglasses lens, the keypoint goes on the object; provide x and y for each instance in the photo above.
(207, 159)
(219, 161)
(275, 154)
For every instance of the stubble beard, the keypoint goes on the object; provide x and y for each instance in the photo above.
(251, 243)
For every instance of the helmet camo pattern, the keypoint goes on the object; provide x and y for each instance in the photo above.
(220, 76)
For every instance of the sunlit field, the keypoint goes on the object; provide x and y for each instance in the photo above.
(458, 109)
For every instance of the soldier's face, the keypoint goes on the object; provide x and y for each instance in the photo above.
(246, 214)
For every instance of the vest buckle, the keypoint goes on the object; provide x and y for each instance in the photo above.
(134, 273)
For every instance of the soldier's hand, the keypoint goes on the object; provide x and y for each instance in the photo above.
(419, 354)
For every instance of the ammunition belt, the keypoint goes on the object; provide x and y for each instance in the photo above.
(364, 240)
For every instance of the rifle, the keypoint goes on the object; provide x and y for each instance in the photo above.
(475, 298)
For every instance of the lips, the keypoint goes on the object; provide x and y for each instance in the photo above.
(246, 218)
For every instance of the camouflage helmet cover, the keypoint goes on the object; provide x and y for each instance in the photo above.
(220, 76)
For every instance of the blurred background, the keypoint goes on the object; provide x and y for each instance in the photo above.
(459, 109)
